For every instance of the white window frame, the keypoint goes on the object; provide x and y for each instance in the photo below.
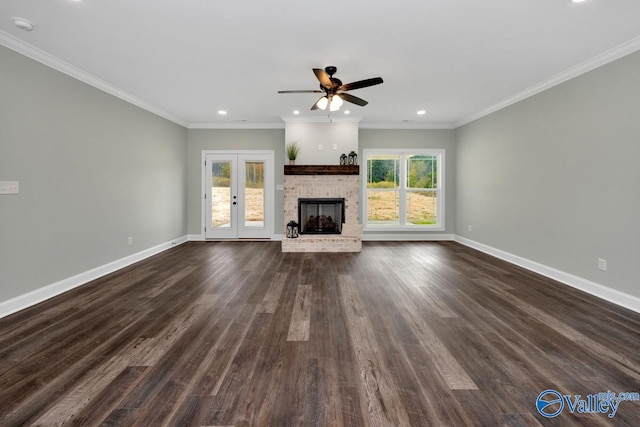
(440, 190)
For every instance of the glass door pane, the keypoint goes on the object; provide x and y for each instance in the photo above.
(221, 207)
(254, 201)
(220, 194)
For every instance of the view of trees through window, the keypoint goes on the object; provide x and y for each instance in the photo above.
(402, 189)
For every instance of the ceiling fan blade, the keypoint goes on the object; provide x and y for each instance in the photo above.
(362, 83)
(323, 77)
(353, 99)
(300, 91)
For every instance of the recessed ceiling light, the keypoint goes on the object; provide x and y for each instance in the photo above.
(577, 1)
(296, 112)
(23, 24)
(222, 112)
(422, 112)
(347, 112)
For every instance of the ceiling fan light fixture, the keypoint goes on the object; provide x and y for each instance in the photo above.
(322, 103)
(336, 103)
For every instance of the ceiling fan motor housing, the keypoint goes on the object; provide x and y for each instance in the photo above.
(331, 70)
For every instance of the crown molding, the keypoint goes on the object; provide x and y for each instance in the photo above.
(408, 125)
(235, 125)
(295, 119)
(575, 71)
(51, 61)
(321, 119)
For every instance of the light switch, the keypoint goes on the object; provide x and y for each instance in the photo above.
(9, 187)
(320, 147)
(335, 146)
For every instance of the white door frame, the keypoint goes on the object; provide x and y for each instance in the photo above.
(269, 187)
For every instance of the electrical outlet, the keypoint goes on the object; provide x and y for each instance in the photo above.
(335, 146)
(602, 264)
(9, 187)
(320, 147)
(469, 229)
(130, 241)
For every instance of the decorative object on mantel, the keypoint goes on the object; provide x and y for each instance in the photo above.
(292, 152)
(292, 230)
(353, 158)
(343, 159)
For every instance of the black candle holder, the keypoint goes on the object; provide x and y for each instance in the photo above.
(353, 158)
(292, 230)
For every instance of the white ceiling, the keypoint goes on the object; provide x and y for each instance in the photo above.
(456, 59)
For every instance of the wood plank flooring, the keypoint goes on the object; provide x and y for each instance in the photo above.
(241, 334)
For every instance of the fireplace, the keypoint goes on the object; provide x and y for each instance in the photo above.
(320, 216)
(316, 181)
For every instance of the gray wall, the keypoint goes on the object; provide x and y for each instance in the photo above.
(93, 170)
(554, 178)
(232, 139)
(418, 138)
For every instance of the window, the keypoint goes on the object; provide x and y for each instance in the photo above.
(404, 189)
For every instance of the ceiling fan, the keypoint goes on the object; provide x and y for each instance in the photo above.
(333, 90)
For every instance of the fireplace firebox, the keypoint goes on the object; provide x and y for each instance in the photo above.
(320, 216)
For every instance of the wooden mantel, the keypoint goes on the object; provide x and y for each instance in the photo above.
(321, 169)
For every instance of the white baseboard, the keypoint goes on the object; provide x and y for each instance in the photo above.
(612, 295)
(201, 238)
(34, 297)
(392, 237)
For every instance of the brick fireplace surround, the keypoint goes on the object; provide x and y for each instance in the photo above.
(314, 181)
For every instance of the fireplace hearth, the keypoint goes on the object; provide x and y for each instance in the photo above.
(320, 216)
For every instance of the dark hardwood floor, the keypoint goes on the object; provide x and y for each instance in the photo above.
(229, 333)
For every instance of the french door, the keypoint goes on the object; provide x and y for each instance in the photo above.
(238, 194)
